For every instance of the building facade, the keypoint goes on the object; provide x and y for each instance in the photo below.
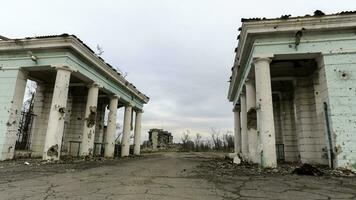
(293, 90)
(74, 89)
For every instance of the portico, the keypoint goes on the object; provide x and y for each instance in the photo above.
(75, 88)
(288, 77)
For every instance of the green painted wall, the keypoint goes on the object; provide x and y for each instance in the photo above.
(338, 51)
(64, 57)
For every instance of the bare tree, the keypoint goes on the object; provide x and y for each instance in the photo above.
(215, 134)
(228, 141)
(197, 141)
(119, 133)
(29, 96)
(187, 143)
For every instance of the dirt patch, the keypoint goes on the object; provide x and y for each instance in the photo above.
(21, 169)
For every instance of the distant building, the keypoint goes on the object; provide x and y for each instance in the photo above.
(160, 139)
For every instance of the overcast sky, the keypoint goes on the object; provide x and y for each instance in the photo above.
(178, 52)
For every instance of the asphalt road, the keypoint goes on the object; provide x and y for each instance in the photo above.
(160, 176)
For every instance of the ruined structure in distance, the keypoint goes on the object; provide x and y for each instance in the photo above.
(293, 89)
(159, 138)
(74, 86)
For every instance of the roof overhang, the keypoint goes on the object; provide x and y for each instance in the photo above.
(254, 29)
(75, 44)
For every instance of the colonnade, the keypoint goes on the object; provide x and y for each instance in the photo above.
(255, 141)
(55, 129)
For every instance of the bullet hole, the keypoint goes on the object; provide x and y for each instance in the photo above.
(61, 110)
(79, 118)
(269, 135)
(290, 46)
(53, 151)
(316, 93)
(344, 75)
(91, 118)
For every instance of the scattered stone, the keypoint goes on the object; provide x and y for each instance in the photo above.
(26, 163)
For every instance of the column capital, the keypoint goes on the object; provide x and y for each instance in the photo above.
(114, 97)
(94, 85)
(237, 108)
(261, 59)
(248, 80)
(63, 67)
(128, 105)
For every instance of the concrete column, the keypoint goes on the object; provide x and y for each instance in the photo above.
(55, 129)
(244, 136)
(137, 137)
(251, 127)
(237, 129)
(87, 145)
(265, 118)
(125, 141)
(12, 90)
(111, 128)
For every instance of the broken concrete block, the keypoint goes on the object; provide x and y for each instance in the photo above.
(237, 160)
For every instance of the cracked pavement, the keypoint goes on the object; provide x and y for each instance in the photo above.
(162, 176)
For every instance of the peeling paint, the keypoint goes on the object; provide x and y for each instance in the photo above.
(90, 120)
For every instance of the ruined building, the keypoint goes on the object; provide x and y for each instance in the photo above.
(293, 88)
(74, 88)
(160, 139)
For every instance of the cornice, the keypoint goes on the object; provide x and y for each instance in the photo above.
(74, 44)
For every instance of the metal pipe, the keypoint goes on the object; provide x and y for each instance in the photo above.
(331, 152)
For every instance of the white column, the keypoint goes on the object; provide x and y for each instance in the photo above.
(265, 112)
(87, 145)
(251, 129)
(237, 129)
(137, 137)
(11, 98)
(244, 136)
(55, 129)
(111, 129)
(125, 141)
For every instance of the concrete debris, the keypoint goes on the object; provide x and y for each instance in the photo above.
(26, 163)
(224, 166)
(307, 169)
(236, 160)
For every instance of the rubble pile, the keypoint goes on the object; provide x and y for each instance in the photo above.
(225, 166)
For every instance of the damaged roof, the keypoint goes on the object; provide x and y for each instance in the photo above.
(64, 35)
(317, 13)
